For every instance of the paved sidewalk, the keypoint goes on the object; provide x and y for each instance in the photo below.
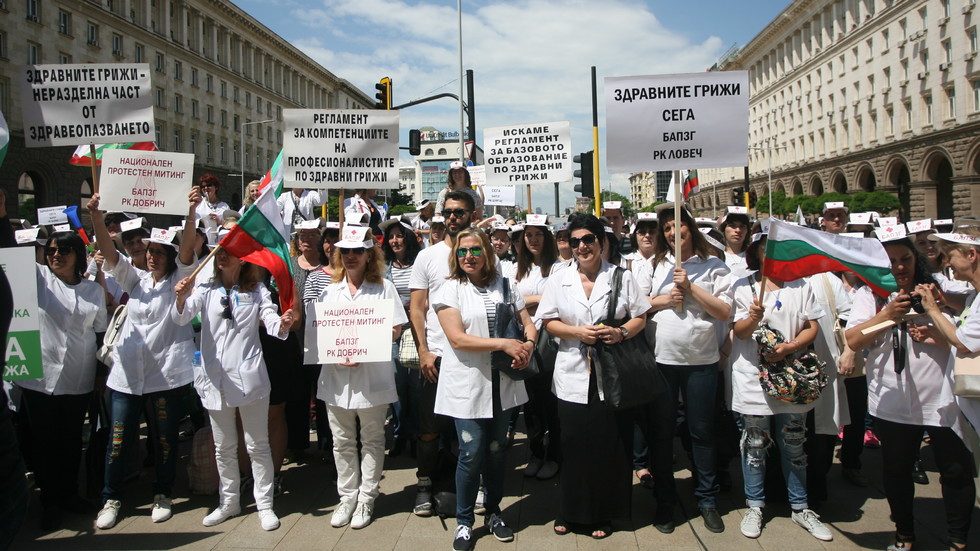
(858, 517)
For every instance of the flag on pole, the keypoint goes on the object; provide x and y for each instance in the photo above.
(799, 216)
(83, 157)
(690, 184)
(794, 252)
(260, 236)
(4, 138)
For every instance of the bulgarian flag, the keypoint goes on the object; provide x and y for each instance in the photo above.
(83, 153)
(4, 138)
(691, 184)
(793, 252)
(260, 236)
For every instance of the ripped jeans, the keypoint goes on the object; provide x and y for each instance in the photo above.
(482, 451)
(790, 431)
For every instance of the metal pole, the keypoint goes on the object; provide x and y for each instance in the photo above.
(770, 188)
(677, 225)
(556, 200)
(462, 126)
(595, 147)
(471, 112)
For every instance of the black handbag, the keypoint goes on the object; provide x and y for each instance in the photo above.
(546, 352)
(508, 325)
(627, 370)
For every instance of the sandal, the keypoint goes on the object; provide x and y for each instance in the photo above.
(606, 530)
(561, 527)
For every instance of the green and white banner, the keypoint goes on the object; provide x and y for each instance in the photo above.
(23, 346)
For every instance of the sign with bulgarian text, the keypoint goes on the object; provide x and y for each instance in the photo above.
(505, 196)
(145, 181)
(677, 122)
(340, 148)
(86, 103)
(528, 154)
(23, 346)
(52, 216)
(340, 332)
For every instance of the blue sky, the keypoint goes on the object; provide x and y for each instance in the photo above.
(531, 58)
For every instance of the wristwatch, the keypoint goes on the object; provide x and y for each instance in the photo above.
(624, 331)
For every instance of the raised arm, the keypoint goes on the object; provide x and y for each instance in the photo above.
(186, 251)
(102, 239)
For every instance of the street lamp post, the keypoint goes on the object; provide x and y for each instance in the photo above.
(769, 149)
(241, 150)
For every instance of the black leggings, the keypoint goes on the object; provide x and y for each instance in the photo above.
(900, 448)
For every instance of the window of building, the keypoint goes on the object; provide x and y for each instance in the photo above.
(248, 100)
(258, 104)
(193, 144)
(889, 122)
(178, 144)
(976, 95)
(924, 17)
(178, 103)
(161, 66)
(92, 34)
(3, 45)
(224, 154)
(235, 94)
(33, 53)
(951, 102)
(224, 119)
(279, 112)
(871, 85)
(885, 44)
(178, 71)
(117, 45)
(924, 56)
(870, 45)
(34, 10)
(841, 63)
(208, 153)
(159, 133)
(903, 26)
(64, 22)
(195, 111)
(947, 51)
(210, 113)
(235, 154)
(268, 107)
(138, 55)
(908, 116)
(194, 80)
(248, 128)
(945, 8)
(905, 70)
(854, 55)
(161, 102)
(209, 81)
(64, 58)
(927, 110)
(887, 72)
(268, 133)
(236, 123)
(224, 89)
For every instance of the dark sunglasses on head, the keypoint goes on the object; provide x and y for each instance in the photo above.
(358, 251)
(459, 213)
(475, 251)
(587, 239)
(63, 250)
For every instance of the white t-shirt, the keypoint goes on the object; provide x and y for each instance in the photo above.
(738, 265)
(921, 394)
(969, 335)
(689, 337)
(429, 272)
(787, 311)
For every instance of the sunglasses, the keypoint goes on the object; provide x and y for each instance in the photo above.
(226, 304)
(357, 252)
(587, 239)
(475, 251)
(208, 185)
(646, 231)
(458, 213)
(63, 250)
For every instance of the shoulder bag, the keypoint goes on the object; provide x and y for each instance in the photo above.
(627, 370)
(508, 325)
(839, 331)
(112, 335)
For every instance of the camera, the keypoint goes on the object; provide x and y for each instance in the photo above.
(917, 304)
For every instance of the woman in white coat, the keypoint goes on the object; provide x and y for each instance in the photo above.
(359, 392)
(151, 361)
(234, 376)
(479, 399)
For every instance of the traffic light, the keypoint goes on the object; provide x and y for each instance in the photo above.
(384, 94)
(753, 198)
(414, 142)
(737, 197)
(587, 187)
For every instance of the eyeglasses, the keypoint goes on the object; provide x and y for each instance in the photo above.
(645, 231)
(458, 213)
(475, 251)
(208, 185)
(63, 250)
(358, 252)
(587, 239)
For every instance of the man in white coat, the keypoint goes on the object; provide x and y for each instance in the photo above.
(298, 205)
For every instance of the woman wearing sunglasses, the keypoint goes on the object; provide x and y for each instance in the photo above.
(358, 394)
(234, 376)
(73, 317)
(478, 398)
(596, 441)
(151, 361)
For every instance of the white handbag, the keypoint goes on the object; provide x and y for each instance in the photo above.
(112, 334)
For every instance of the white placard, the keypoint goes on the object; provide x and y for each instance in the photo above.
(505, 196)
(677, 122)
(341, 148)
(146, 181)
(528, 154)
(86, 103)
(50, 216)
(339, 332)
(478, 175)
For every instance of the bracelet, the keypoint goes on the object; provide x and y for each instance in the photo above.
(797, 343)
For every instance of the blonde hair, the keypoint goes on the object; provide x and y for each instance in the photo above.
(373, 272)
(947, 246)
(247, 200)
(489, 270)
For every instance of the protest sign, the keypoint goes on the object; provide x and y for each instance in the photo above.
(338, 332)
(146, 181)
(478, 175)
(341, 149)
(50, 216)
(80, 104)
(528, 154)
(23, 346)
(505, 196)
(676, 122)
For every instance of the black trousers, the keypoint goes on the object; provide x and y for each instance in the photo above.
(857, 405)
(56, 423)
(900, 448)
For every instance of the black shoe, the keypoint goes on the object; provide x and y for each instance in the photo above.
(919, 475)
(463, 539)
(663, 521)
(78, 505)
(51, 519)
(712, 520)
(497, 527)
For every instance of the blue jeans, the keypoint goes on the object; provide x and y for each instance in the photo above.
(482, 450)
(790, 431)
(168, 407)
(698, 386)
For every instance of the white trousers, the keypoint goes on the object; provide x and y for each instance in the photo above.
(358, 480)
(255, 423)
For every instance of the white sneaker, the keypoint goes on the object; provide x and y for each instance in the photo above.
(752, 522)
(811, 521)
(222, 514)
(362, 516)
(343, 513)
(268, 519)
(162, 508)
(107, 516)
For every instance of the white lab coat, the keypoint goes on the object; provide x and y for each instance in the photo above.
(465, 388)
(233, 372)
(368, 384)
(309, 199)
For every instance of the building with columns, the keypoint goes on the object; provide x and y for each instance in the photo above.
(863, 95)
(220, 81)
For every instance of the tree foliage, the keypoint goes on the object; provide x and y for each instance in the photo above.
(881, 202)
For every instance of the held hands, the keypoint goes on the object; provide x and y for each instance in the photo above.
(610, 335)
(588, 334)
(516, 349)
